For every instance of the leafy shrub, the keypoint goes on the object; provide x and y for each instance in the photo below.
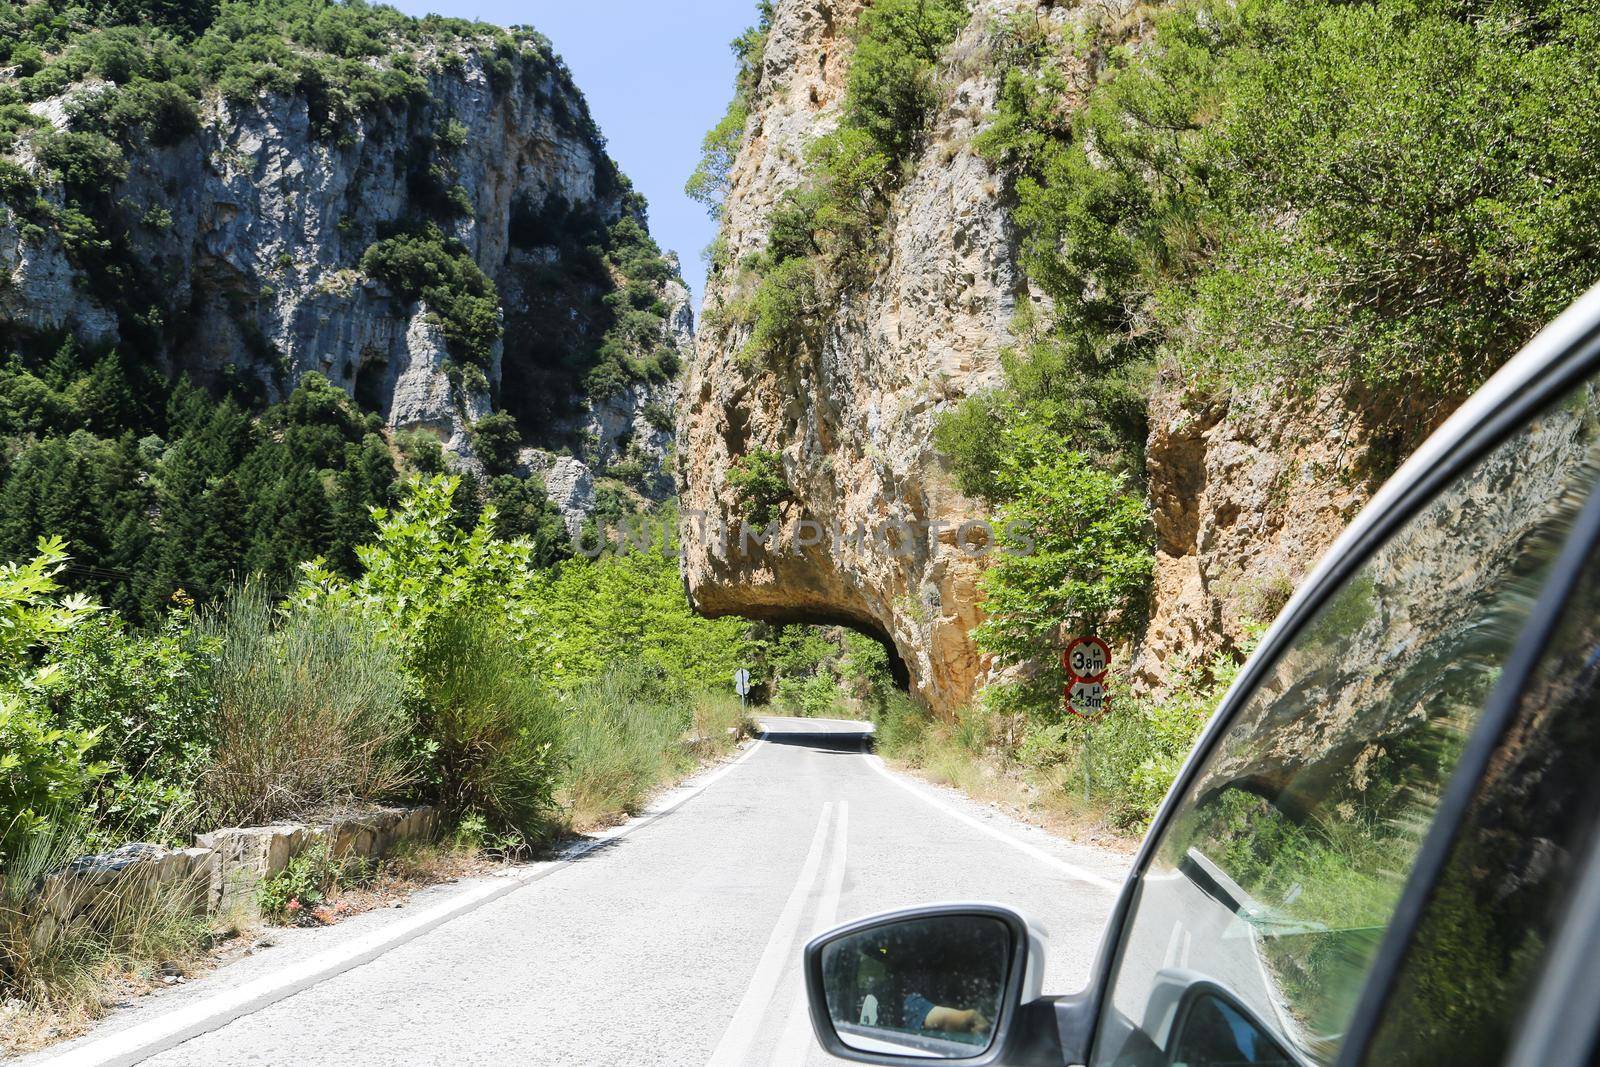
(496, 440)
(45, 769)
(145, 699)
(426, 265)
(1220, 198)
(816, 694)
(630, 607)
(786, 312)
(162, 110)
(310, 711)
(889, 90)
(491, 732)
(1076, 547)
(306, 881)
(45, 773)
(89, 163)
(759, 485)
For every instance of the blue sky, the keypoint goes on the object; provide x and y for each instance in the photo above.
(657, 76)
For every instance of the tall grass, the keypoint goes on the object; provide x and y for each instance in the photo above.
(631, 730)
(310, 711)
(55, 971)
(492, 730)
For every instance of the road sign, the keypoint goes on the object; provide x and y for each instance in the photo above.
(1086, 700)
(1087, 659)
(741, 681)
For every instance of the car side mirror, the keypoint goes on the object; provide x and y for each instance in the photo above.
(947, 983)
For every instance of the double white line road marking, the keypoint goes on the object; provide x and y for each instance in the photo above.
(778, 959)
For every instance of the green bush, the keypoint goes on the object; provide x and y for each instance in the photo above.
(424, 264)
(815, 695)
(1382, 194)
(759, 485)
(1076, 547)
(889, 91)
(495, 440)
(1131, 754)
(45, 769)
(145, 698)
(45, 773)
(89, 163)
(490, 731)
(786, 313)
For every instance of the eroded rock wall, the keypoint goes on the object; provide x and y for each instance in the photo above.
(853, 422)
(1246, 491)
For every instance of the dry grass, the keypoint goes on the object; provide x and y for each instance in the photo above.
(970, 754)
(1050, 798)
(56, 977)
(309, 710)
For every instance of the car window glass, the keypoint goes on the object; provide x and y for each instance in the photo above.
(1283, 861)
(1471, 969)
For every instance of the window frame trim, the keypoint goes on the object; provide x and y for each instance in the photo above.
(1557, 359)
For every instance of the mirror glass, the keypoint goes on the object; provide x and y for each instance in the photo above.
(928, 986)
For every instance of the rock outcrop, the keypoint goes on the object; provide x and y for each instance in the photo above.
(251, 233)
(853, 425)
(1245, 497)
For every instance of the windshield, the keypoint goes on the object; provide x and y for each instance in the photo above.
(1282, 866)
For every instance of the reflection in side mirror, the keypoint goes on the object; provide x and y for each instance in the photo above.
(934, 983)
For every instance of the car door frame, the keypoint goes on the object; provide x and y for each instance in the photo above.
(1561, 356)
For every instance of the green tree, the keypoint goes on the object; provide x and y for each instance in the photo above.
(1075, 549)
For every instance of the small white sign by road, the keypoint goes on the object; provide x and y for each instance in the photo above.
(741, 681)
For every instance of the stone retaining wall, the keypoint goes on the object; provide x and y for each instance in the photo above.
(223, 873)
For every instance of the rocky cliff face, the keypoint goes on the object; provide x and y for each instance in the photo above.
(252, 231)
(854, 424)
(1245, 497)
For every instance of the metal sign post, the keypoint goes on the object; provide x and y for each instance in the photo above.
(741, 684)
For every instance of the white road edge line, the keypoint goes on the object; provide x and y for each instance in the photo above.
(1069, 869)
(796, 1040)
(734, 1047)
(173, 1028)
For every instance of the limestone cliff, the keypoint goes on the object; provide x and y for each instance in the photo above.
(1245, 495)
(248, 237)
(854, 424)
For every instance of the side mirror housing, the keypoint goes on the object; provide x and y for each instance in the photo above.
(952, 983)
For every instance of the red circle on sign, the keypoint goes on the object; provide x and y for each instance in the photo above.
(1086, 716)
(1087, 642)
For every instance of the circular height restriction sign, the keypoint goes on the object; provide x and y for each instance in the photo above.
(1087, 659)
(1086, 700)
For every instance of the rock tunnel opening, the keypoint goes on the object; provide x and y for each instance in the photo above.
(898, 671)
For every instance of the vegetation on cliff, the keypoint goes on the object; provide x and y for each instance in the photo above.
(1382, 197)
(825, 234)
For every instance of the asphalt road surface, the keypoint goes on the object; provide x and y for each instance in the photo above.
(678, 943)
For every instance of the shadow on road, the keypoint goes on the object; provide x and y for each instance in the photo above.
(848, 741)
